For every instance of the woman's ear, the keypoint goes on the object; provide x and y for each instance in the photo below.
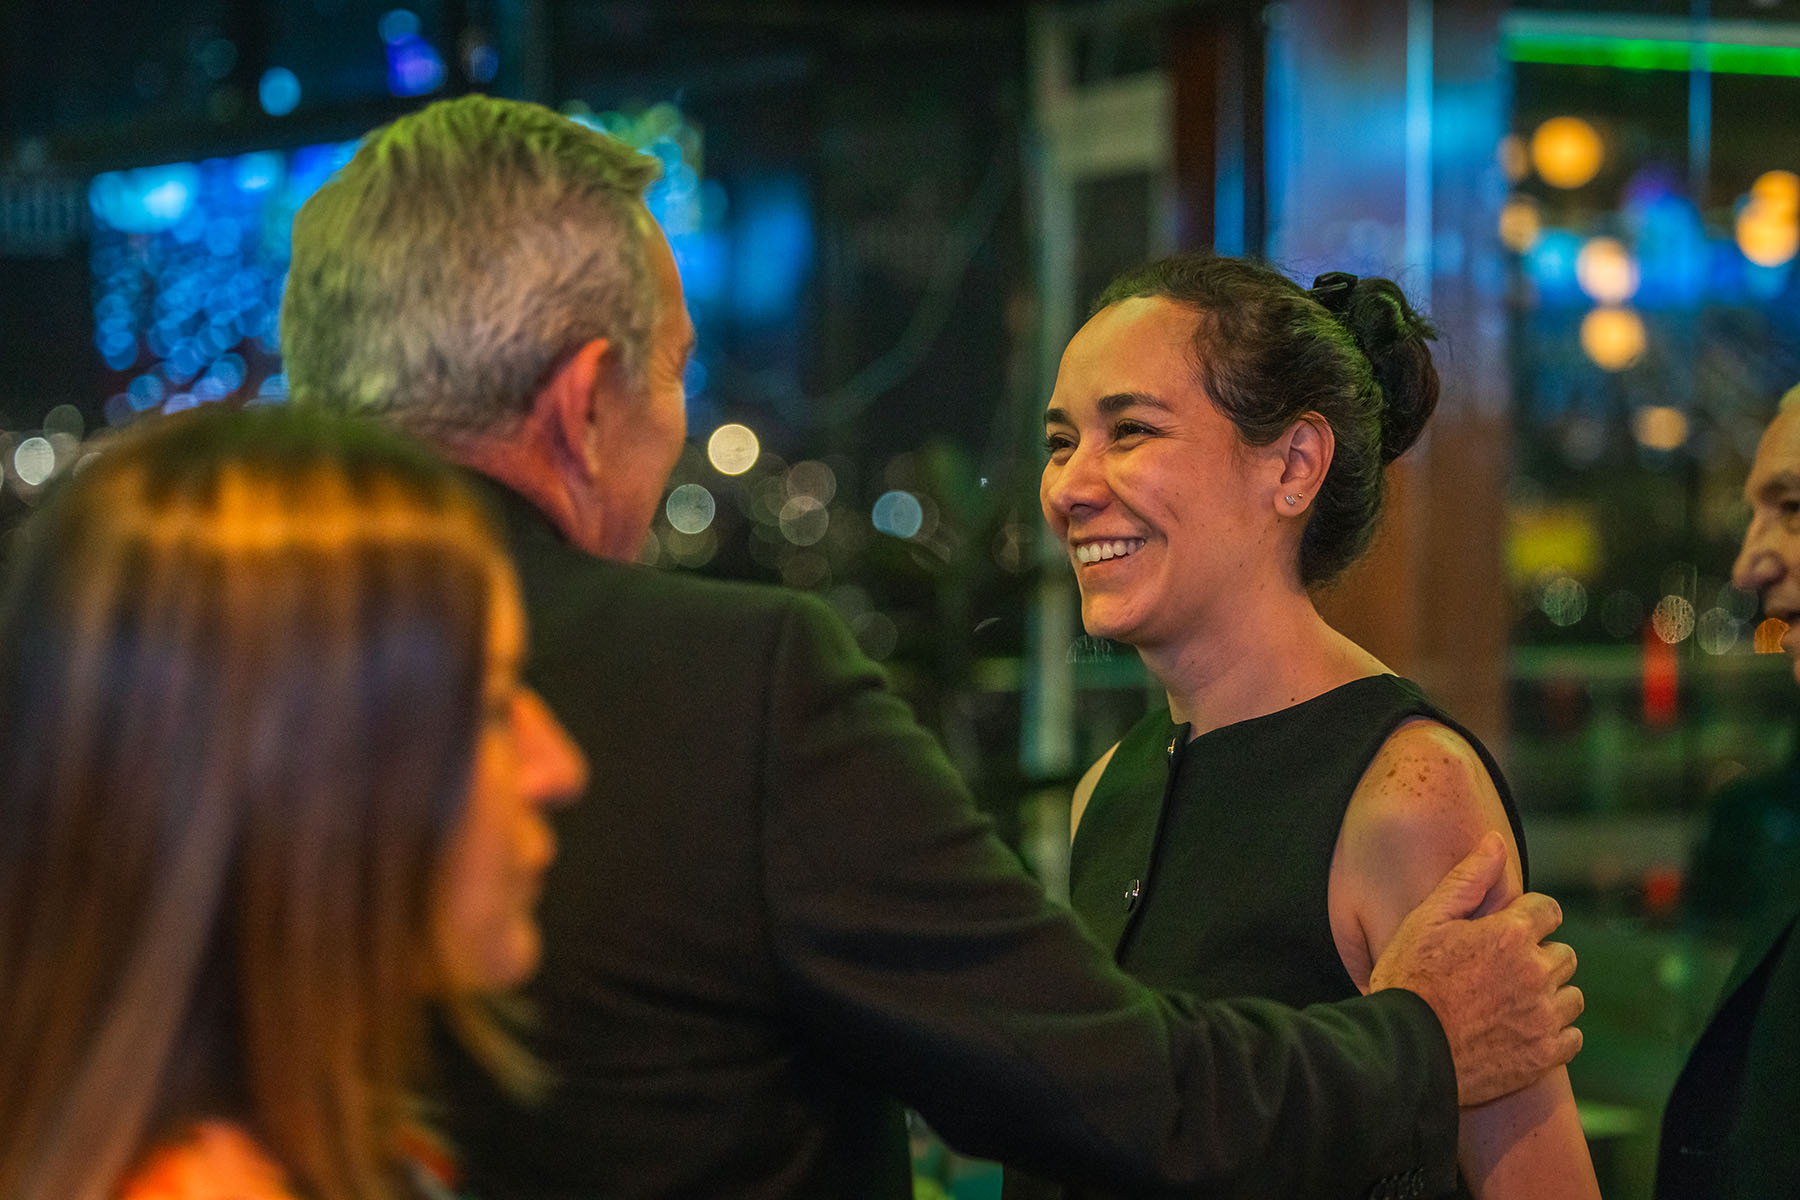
(1306, 450)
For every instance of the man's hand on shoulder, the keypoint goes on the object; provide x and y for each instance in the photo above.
(1500, 991)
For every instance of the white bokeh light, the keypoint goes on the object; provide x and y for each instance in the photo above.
(733, 449)
(34, 460)
(690, 508)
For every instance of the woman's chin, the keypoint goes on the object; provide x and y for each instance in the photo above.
(1106, 621)
(519, 962)
(507, 962)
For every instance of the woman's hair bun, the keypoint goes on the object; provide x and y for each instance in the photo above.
(1392, 337)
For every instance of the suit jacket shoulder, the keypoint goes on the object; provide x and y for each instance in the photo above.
(1729, 1128)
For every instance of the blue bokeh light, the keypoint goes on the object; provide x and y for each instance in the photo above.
(311, 166)
(898, 514)
(257, 171)
(1672, 252)
(145, 392)
(414, 67)
(704, 260)
(146, 199)
(222, 234)
(398, 24)
(774, 234)
(198, 295)
(278, 91)
(228, 371)
(693, 378)
(483, 63)
(1766, 283)
(119, 348)
(1551, 265)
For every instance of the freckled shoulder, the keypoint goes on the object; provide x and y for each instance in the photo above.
(1084, 790)
(1427, 773)
(1423, 803)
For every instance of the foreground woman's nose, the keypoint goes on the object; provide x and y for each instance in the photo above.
(553, 770)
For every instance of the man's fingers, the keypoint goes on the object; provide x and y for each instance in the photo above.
(1561, 967)
(1461, 891)
(1540, 914)
(1569, 1003)
(1568, 1045)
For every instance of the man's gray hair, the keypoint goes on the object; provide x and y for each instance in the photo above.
(444, 274)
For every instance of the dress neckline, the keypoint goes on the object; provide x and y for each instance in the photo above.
(1288, 712)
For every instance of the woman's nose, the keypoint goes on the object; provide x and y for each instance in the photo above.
(1076, 482)
(554, 771)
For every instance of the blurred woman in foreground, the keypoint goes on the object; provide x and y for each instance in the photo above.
(271, 786)
(1217, 440)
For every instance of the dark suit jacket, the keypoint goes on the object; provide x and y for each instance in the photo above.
(1730, 1129)
(776, 913)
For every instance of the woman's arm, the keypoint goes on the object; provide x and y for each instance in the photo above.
(1422, 804)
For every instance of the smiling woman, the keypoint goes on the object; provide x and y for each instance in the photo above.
(270, 786)
(1217, 442)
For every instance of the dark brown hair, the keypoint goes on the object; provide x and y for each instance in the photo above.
(241, 669)
(1267, 351)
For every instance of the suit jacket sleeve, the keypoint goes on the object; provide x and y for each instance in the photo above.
(926, 959)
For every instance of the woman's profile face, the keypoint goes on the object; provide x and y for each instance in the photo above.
(1163, 512)
(493, 870)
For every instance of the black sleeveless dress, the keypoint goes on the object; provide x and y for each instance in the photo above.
(1206, 864)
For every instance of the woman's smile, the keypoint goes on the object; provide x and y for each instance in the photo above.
(1090, 553)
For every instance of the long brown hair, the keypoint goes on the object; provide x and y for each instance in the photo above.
(241, 669)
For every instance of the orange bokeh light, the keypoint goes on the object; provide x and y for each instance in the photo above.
(1567, 152)
(1767, 639)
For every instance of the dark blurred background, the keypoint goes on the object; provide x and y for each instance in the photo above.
(890, 217)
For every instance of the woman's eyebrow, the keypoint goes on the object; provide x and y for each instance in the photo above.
(1118, 402)
(1109, 405)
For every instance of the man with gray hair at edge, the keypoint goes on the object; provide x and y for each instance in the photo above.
(1729, 1126)
(777, 916)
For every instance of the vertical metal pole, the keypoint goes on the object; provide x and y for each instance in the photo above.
(1699, 104)
(1047, 699)
(1419, 83)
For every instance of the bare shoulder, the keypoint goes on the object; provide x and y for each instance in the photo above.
(1428, 780)
(1422, 804)
(1084, 790)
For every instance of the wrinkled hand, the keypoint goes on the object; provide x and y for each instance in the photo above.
(1501, 992)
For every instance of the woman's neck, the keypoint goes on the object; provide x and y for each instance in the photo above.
(1273, 655)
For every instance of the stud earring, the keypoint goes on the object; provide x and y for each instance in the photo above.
(1292, 499)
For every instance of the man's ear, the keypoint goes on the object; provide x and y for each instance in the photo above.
(568, 405)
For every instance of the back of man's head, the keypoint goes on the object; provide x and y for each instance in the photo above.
(441, 276)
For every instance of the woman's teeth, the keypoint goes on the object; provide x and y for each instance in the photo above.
(1093, 552)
